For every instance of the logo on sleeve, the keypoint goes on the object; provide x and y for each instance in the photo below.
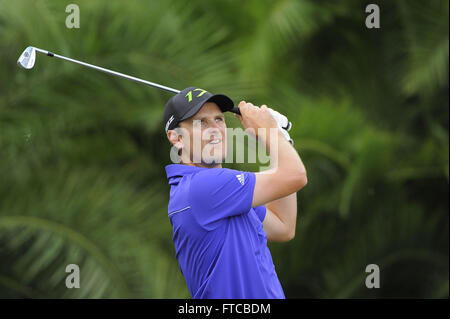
(240, 178)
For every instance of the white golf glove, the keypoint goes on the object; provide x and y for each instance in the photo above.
(283, 124)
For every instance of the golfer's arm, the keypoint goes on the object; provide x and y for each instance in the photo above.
(277, 187)
(281, 218)
(287, 174)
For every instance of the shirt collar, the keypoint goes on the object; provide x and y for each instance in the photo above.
(173, 170)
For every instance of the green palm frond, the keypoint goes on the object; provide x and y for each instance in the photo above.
(82, 153)
(426, 46)
(45, 249)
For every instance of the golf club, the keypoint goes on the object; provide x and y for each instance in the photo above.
(28, 58)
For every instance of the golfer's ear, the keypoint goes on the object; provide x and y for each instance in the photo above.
(175, 139)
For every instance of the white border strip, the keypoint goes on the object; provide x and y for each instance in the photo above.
(179, 210)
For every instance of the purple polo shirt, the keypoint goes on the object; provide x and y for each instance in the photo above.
(219, 239)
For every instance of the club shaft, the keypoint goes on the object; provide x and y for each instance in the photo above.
(129, 77)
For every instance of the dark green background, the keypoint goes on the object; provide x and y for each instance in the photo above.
(82, 154)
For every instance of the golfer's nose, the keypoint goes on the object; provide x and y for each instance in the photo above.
(213, 130)
(214, 125)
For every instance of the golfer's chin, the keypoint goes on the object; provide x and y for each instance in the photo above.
(215, 159)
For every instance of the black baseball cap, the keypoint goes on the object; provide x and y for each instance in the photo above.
(188, 102)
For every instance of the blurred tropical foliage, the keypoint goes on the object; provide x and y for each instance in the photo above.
(82, 177)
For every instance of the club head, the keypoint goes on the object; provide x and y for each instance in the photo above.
(27, 58)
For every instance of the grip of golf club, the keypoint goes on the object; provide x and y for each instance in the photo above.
(236, 110)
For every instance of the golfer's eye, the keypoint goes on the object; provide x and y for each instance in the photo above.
(219, 119)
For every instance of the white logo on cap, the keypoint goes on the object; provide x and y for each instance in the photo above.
(168, 122)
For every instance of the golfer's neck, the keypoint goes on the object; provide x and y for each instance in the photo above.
(212, 165)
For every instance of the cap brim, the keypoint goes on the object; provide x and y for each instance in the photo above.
(223, 102)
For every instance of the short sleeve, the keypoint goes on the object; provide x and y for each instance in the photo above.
(218, 193)
(260, 212)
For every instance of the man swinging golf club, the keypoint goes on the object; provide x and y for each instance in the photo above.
(222, 218)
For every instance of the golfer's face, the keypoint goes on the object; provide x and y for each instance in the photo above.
(207, 135)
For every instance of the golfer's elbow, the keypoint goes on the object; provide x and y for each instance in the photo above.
(287, 236)
(289, 232)
(292, 182)
(290, 235)
(301, 179)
